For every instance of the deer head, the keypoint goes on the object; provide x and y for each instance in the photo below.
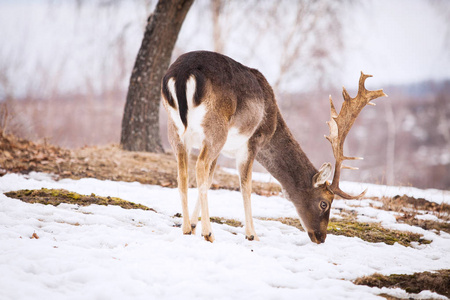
(314, 214)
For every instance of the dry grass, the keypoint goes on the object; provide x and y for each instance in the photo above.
(229, 222)
(57, 196)
(409, 208)
(399, 203)
(369, 232)
(438, 281)
(107, 163)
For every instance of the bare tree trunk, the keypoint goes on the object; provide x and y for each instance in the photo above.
(216, 7)
(140, 123)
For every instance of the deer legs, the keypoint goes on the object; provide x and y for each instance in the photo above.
(244, 163)
(182, 161)
(195, 214)
(204, 170)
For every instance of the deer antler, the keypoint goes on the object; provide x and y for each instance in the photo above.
(340, 126)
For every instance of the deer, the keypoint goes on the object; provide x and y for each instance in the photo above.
(217, 105)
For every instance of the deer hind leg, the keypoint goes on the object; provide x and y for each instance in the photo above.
(244, 163)
(182, 160)
(196, 213)
(203, 171)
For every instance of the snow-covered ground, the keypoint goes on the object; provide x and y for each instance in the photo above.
(99, 252)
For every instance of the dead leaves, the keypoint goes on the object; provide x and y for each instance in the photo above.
(22, 156)
(107, 163)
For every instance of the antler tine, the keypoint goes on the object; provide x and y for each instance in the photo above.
(340, 125)
(344, 195)
(369, 95)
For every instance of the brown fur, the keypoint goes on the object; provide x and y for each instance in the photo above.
(239, 97)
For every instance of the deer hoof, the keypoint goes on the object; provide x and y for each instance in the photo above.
(209, 237)
(193, 226)
(252, 237)
(187, 229)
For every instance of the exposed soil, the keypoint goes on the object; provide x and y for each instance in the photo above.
(410, 207)
(397, 203)
(218, 220)
(57, 196)
(229, 222)
(369, 232)
(107, 163)
(438, 281)
(437, 226)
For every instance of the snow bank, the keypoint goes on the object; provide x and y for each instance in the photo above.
(99, 252)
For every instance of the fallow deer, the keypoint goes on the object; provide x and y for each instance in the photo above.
(218, 105)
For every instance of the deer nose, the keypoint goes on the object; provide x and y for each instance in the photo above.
(317, 237)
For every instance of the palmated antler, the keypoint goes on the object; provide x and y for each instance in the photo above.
(340, 126)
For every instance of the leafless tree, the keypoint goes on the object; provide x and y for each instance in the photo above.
(300, 37)
(216, 8)
(140, 123)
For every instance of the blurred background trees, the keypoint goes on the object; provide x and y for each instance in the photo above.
(66, 67)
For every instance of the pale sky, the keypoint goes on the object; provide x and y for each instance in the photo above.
(397, 41)
(402, 41)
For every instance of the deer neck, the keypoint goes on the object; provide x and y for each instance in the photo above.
(283, 157)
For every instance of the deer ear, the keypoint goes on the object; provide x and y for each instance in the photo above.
(323, 174)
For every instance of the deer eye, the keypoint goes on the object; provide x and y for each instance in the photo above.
(323, 205)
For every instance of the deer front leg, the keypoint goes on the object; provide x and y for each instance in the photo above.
(203, 168)
(183, 186)
(244, 163)
(196, 213)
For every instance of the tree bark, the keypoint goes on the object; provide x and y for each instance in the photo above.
(140, 123)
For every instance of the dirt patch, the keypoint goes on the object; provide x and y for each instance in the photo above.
(218, 220)
(369, 232)
(374, 232)
(57, 196)
(411, 219)
(438, 281)
(410, 208)
(22, 156)
(397, 203)
(107, 163)
(229, 222)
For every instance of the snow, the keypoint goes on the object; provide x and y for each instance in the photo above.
(99, 252)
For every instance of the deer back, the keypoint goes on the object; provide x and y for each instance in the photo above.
(209, 95)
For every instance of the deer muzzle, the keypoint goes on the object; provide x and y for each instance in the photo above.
(317, 237)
